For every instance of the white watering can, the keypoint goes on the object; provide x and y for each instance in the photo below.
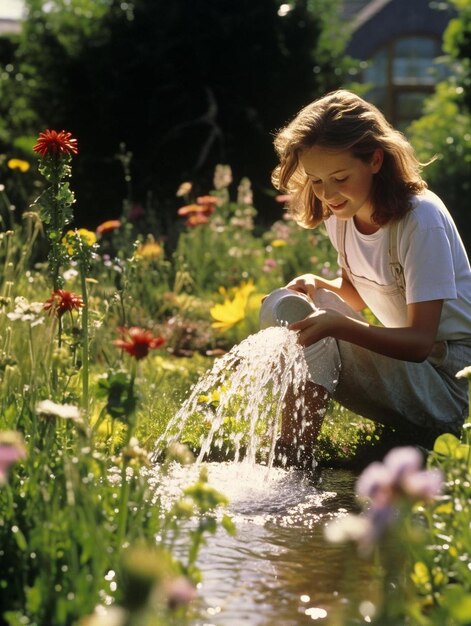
(283, 307)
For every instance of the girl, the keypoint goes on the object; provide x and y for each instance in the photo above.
(400, 255)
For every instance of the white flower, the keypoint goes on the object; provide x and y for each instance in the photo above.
(222, 176)
(65, 411)
(356, 528)
(106, 616)
(70, 274)
(27, 311)
(464, 373)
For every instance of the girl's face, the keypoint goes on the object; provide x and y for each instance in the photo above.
(341, 181)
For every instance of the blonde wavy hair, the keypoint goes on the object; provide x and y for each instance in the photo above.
(344, 121)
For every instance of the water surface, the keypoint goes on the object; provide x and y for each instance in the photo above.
(279, 569)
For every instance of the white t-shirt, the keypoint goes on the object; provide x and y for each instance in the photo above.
(433, 257)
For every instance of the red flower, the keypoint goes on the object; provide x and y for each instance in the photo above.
(53, 142)
(62, 301)
(137, 341)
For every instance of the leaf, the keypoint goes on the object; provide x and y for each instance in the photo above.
(446, 445)
(34, 596)
(458, 603)
(444, 509)
(228, 525)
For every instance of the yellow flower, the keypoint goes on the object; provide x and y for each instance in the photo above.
(278, 243)
(231, 312)
(88, 237)
(18, 164)
(149, 250)
(213, 398)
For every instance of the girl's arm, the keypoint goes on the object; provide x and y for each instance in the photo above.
(308, 283)
(412, 342)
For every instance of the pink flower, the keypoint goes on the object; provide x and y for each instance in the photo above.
(269, 265)
(403, 461)
(399, 475)
(180, 592)
(424, 485)
(376, 483)
(12, 449)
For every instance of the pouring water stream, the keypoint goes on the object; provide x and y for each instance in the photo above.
(252, 380)
(280, 568)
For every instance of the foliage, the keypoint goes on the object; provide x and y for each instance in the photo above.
(443, 132)
(182, 83)
(75, 497)
(427, 581)
(80, 503)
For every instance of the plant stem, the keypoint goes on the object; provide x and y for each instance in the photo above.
(124, 495)
(85, 353)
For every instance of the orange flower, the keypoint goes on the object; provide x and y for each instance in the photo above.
(53, 142)
(206, 200)
(138, 341)
(208, 204)
(62, 301)
(205, 205)
(196, 219)
(108, 226)
(189, 208)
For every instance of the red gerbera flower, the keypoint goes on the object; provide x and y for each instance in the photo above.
(53, 142)
(137, 341)
(62, 301)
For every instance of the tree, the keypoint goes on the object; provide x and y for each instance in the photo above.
(443, 133)
(182, 85)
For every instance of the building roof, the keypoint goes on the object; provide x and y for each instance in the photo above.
(351, 8)
(368, 12)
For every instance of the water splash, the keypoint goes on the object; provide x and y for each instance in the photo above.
(251, 382)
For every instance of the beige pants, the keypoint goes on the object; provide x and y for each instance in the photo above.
(426, 397)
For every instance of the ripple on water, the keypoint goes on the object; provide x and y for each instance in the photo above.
(278, 557)
(278, 569)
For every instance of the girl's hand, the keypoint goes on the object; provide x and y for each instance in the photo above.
(320, 324)
(306, 283)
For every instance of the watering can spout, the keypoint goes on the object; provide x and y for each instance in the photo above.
(283, 307)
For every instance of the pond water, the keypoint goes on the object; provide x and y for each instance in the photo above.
(279, 569)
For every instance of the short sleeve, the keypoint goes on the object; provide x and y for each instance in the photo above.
(428, 264)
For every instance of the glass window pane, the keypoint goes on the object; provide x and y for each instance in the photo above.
(378, 97)
(409, 107)
(413, 61)
(377, 71)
